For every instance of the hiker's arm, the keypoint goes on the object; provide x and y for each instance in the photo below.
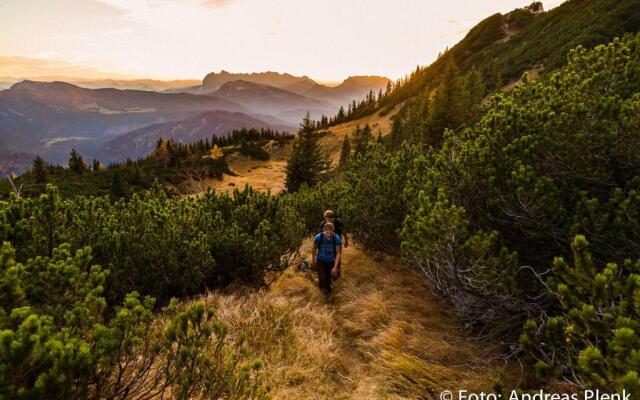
(313, 253)
(336, 265)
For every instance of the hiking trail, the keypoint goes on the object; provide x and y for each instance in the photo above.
(381, 335)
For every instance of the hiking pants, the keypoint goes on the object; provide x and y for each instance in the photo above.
(324, 275)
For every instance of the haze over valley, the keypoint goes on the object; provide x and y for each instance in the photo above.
(51, 118)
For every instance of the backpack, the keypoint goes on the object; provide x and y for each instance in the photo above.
(335, 245)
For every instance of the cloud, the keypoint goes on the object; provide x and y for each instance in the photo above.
(216, 3)
(205, 3)
(46, 68)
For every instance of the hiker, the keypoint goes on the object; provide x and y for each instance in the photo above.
(327, 249)
(339, 229)
(330, 216)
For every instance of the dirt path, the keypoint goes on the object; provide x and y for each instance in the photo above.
(380, 336)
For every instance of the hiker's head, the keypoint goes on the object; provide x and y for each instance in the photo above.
(328, 216)
(328, 229)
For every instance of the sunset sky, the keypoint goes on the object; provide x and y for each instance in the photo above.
(176, 39)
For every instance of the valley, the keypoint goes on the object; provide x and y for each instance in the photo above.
(30, 112)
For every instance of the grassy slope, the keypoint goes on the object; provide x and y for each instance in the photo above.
(269, 175)
(379, 336)
(544, 39)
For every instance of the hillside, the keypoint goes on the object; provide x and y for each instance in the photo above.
(496, 247)
(503, 46)
(270, 176)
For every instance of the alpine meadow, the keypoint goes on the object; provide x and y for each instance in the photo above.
(470, 231)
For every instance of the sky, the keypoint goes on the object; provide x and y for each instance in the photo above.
(327, 40)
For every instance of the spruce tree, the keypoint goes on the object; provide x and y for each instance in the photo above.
(137, 177)
(39, 170)
(307, 163)
(76, 163)
(448, 106)
(345, 152)
(361, 139)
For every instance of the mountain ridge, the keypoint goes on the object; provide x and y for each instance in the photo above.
(265, 99)
(352, 88)
(50, 118)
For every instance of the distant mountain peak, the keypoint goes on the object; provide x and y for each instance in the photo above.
(214, 80)
(29, 84)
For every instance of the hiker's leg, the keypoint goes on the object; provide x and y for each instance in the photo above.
(339, 269)
(324, 275)
(329, 278)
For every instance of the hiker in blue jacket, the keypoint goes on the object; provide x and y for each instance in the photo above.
(338, 229)
(327, 249)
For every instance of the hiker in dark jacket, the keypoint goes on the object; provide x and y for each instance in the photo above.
(339, 229)
(327, 249)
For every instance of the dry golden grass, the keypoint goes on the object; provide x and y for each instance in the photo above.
(333, 141)
(269, 175)
(379, 336)
(263, 176)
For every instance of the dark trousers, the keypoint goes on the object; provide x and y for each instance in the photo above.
(324, 275)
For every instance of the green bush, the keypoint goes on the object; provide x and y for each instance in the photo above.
(486, 213)
(255, 151)
(59, 341)
(372, 204)
(549, 160)
(310, 203)
(157, 245)
(596, 334)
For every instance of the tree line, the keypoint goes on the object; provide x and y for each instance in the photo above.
(172, 164)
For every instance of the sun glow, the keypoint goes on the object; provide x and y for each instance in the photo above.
(170, 39)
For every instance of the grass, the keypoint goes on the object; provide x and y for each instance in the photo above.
(269, 175)
(380, 335)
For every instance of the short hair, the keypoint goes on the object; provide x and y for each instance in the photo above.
(328, 213)
(329, 225)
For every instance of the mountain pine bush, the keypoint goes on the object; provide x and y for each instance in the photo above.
(157, 245)
(544, 169)
(596, 335)
(59, 339)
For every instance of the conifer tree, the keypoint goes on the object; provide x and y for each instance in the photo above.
(345, 152)
(97, 166)
(39, 170)
(447, 110)
(361, 139)
(137, 177)
(307, 163)
(340, 115)
(389, 89)
(76, 163)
